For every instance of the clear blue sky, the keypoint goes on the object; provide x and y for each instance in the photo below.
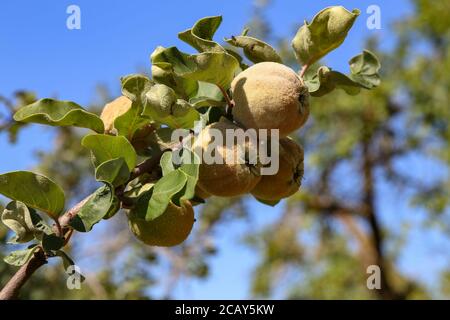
(39, 53)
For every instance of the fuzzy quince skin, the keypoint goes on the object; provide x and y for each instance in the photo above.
(169, 229)
(270, 95)
(226, 179)
(288, 179)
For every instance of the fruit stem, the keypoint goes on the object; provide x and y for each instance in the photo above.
(303, 70)
(230, 102)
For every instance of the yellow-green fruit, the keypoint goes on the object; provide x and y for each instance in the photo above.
(269, 95)
(114, 109)
(169, 229)
(225, 179)
(288, 179)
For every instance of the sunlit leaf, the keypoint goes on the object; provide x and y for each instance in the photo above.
(162, 72)
(254, 49)
(97, 207)
(105, 147)
(201, 34)
(114, 172)
(20, 257)
(20, 219)
(213, 67)
(163, 191)
(327, 30)
(59, 113)
(34, 190)
(364, 69)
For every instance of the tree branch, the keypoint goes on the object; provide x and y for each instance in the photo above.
(12, 288)
(386, 291)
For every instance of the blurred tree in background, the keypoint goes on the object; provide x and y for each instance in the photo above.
(329, 232)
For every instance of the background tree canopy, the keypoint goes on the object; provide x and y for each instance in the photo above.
(376, 189)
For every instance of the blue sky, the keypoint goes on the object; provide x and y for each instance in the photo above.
(116, 38)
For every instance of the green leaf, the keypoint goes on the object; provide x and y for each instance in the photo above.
(163, 191)
(254, 49)
(326, 80)
(52, 242)
(327, 30)
(20, 257)
(97, 207)
(364, 69)
(201, 34)
(210, 116)
(25, 222)
(238, 57)
(115, 207)
(364, 74)
(162, 72)
(128, 123)
(59, 113)
(114, 172)
(160, 100)
(166, 163)
(67, 262)
(207, 95)
(190, 168)
(134, 85)
(137, 191)
(17, 217)
(163, 106)
(105, 147)
(161, 139)
(34, 190)
(213, 67)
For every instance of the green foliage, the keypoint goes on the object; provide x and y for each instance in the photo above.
(34, 190)
(114, 172)
(364, 69)
(163, 106)
(52, 242)
(25, 222)
(327, 30)
(212, 67)
(185, 88)
(254, 49)
(163, 191)
(105, 147)
(59, 113)
(20, 257)
(134, 87)
(364, 74)
(94, 210)
(207, 95)
(201, 34)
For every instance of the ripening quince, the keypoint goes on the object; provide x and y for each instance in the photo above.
(288, 179)
(169, 229)
(269, 95)
(113, 110)
(229, 178)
